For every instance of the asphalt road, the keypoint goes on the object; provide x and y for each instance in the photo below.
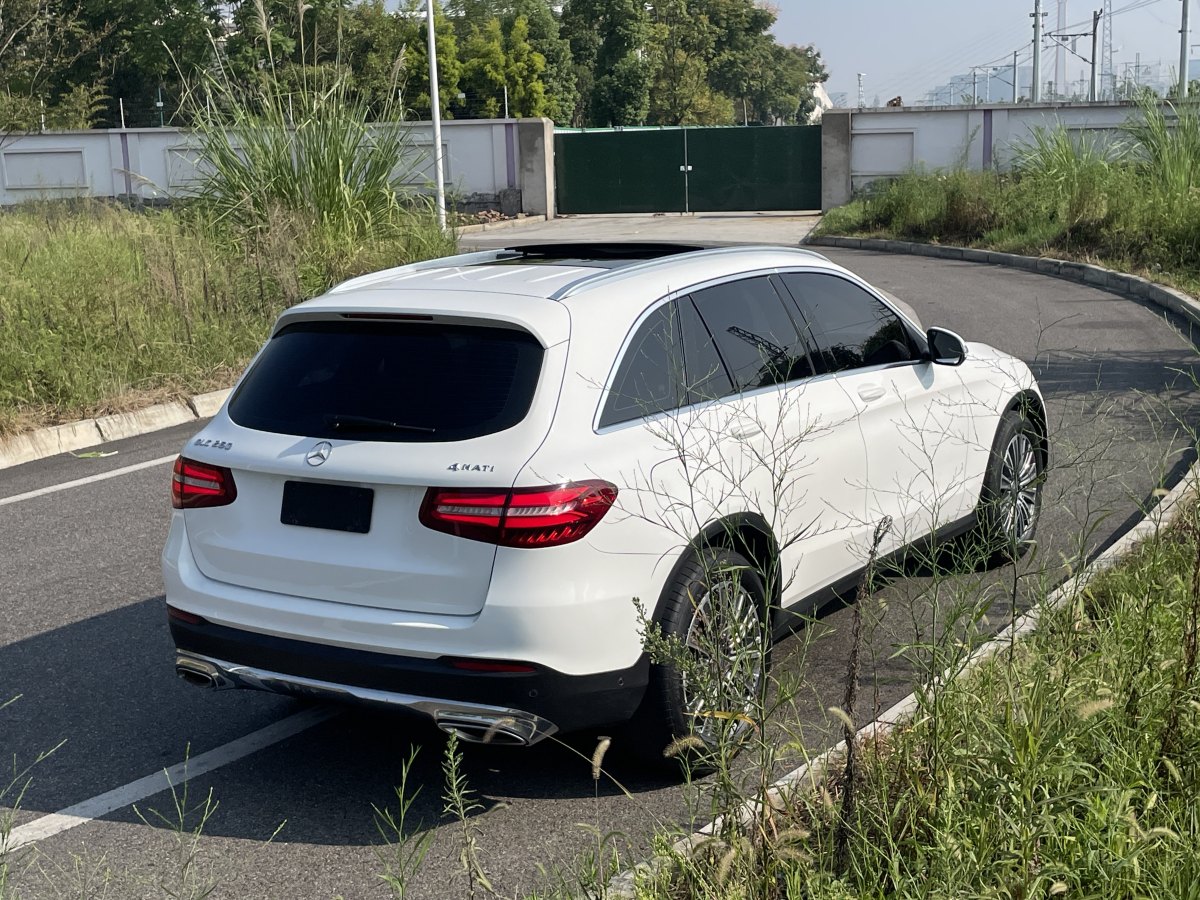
(83, 641)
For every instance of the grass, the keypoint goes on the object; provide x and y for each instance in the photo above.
(1132, 203)
(1068, 764)
(104, 309)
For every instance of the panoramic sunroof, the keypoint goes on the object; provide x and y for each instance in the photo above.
(607, 255)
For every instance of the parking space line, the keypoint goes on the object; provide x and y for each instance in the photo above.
(111, 801)
(79, 482)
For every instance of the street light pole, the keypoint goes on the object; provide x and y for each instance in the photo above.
(435, 104)
(1094, 90)
(1183, 49)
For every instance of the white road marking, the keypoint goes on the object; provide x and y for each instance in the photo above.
(91, 479)
(102, 805)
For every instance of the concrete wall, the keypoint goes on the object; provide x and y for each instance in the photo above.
(486, 160)
(864, 145)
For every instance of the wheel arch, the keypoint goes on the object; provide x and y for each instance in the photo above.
(1031, 405)
(746, 533)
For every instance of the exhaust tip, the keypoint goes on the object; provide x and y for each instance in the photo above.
(198, 673)
(503, 731)
(199, 679)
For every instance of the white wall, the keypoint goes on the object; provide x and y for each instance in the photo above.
(482, 158)
(890, 142)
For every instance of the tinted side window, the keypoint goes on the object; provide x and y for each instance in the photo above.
(707, 378)
(852, 328)
(753, 332)
(650, 376)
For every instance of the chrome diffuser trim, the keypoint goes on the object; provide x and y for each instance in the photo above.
(475, 722)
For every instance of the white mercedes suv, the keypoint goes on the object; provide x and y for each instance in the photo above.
(441, 487)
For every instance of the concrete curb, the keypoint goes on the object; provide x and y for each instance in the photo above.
(502, 224)
(810, 776)
(88, 433)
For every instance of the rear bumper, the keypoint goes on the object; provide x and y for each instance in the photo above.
(538, 703)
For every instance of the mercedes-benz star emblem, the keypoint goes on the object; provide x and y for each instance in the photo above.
(319, 453)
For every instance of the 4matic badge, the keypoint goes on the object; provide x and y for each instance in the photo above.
(469, 467)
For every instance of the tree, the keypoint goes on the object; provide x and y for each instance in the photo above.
(683, 38)
(142, 47)
(545, 37)
(523, 68)
(483, 71)
(38, 39)
(608, 42)
(414, 77)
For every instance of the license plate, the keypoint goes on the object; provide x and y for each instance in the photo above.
(335, 507)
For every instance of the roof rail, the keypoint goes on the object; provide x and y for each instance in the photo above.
(479, 257)
(606, 276)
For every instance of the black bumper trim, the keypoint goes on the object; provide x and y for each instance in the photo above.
(571, 702)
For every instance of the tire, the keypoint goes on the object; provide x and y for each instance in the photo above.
(1011, 500)
(715, 602)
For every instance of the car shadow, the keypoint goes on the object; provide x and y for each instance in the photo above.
(101, 698)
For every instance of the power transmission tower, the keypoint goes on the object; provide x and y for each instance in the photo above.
(1110, 71)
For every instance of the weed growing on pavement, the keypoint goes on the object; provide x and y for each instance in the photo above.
(405, 843)
(13, 787)
(461, 805)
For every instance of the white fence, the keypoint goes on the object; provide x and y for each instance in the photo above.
(485, 160)
(859, 146)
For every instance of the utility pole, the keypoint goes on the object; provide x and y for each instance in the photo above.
(1060, 61)
(1183, 49)
(1093, 90)
(862, 97)
(1016, 90)
(1036, 92)
(435, 103)
(1110, 70)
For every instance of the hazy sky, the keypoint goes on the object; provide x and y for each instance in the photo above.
(907, 47)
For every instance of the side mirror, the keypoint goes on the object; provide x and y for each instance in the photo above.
(945, 347)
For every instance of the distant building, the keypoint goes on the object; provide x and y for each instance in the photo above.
(824, 102)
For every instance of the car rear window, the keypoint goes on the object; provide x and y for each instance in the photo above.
(390, 381)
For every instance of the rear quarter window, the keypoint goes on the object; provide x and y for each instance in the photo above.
(390, 381)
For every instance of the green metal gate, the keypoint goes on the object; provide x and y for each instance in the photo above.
(688, 170)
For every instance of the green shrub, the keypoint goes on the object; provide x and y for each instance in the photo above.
(1134, 201)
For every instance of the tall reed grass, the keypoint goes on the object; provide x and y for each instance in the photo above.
(1131, 198)
(103, 309)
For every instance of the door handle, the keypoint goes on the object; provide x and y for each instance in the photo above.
(870, 392)
(748, 431)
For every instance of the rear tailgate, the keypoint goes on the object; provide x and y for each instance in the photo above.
(336, 435)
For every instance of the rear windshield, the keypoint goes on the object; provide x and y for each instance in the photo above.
(390, 381)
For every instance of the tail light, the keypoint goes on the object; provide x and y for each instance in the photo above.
(521, 517)
(196, 485)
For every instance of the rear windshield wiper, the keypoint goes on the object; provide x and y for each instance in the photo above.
(367, 423)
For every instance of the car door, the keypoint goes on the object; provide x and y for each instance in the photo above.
(788, 449)
(916, 418)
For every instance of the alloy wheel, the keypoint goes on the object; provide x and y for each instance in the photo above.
(727, 642)
(1018, 489)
